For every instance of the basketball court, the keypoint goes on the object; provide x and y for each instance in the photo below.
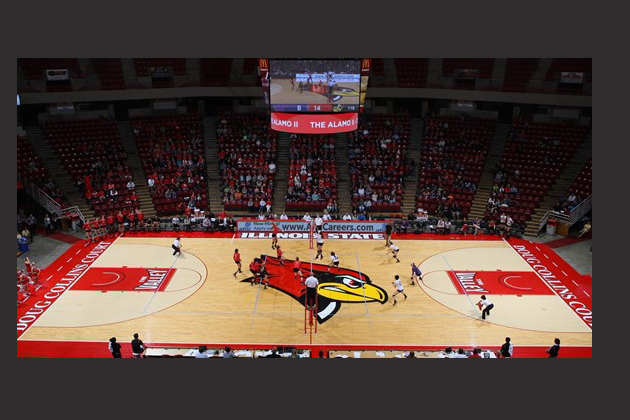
(133, 284)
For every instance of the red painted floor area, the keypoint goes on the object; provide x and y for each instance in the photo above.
(64, 237)
(557, 243)
(70, 349)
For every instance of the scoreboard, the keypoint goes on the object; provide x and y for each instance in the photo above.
(314, 108)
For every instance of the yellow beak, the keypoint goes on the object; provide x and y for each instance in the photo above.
(343, 293)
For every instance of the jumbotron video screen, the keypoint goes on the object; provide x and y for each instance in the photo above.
(315, 85)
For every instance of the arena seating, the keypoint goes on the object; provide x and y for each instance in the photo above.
(31, 169)
(377, 67)
(579, 190)
(92, 153)
(583, 184)
(109, 71)
(411, 72)
(320, 176)
(539, 152)
(215, 71)
(247, 146)
(171, 149)
(379, 161)
(518, 72)
(453, 155)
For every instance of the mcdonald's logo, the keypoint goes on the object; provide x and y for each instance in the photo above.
(366, 63)
(263, 63)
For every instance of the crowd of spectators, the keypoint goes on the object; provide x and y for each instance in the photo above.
(379, 161)
(312, 176)
(247, 161)
(92, 153)
(31, 169)
(535, 155)
(172, 152)
(453, 154)
(579, 190)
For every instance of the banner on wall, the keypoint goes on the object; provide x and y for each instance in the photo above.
(296, 226)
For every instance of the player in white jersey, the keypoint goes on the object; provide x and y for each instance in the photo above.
(394, 250)
(508, 226)
(399, 288)
(320, 245)
(334, 262)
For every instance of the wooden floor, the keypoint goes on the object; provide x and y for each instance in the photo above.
(204, 303)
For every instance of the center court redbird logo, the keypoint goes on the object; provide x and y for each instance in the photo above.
(337, 287)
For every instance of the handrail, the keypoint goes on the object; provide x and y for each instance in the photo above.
(49, 204)
(576, 213)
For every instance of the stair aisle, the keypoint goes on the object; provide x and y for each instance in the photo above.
(211, 148)
(57, 170)
(478, 208)
(411, 181)
(145, 202)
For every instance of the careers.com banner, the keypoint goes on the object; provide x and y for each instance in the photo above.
(314, 123)
(287, 226)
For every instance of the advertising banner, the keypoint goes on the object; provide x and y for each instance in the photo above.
(314, 123)
(337, 226)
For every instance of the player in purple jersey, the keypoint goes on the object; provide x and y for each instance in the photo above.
(415, 273)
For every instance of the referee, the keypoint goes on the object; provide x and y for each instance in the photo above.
(311, 283)
(177, 246)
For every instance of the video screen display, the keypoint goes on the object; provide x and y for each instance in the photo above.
(315, 85)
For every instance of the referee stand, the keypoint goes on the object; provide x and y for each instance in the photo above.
(310, 319)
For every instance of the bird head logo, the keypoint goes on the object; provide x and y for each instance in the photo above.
(338, 286)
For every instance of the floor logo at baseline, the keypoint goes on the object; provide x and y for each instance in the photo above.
(498, 283)
(125, 279)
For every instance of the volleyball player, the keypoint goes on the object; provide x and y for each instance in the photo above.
(334, 262)
(502, 221)
(237, 261)
(508, 226)
(110, 224)
(132, 221)
(464, 227)
(415, 273)
(274, 235)
(394, 250)
(320, 246)
(102, 224)
(177, 246)
(297, 265)
(388, 235)
(140, 217)
(279, 251)
(254, 267)
(488, 305)
(319, 222)
(399, 288)
(120, 219)
(264, 274)
(87, 228)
